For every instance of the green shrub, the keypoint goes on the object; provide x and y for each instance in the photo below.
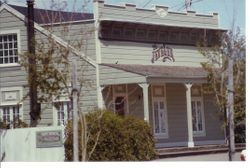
(121, 138)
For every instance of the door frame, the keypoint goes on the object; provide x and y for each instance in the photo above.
(203, 132)
(121, 94)
(163, 98)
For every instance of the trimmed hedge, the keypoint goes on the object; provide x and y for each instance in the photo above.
(121, 138)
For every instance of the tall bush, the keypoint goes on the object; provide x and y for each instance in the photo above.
(121, 138)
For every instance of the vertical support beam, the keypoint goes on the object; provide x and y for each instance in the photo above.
(100, 102)
(100, 97)
(144, 87)
(189, 115)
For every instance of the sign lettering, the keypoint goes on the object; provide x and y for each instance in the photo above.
(164, 52)
(45, 139)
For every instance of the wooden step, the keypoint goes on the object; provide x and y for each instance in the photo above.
(197, 150)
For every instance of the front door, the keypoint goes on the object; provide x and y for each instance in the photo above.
(159, 110)
(120, 105)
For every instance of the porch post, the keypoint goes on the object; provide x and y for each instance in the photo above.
(100, 97)
(189, 115)
(144, 87)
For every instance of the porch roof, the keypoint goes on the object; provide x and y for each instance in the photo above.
(162, 71)
(151, 73)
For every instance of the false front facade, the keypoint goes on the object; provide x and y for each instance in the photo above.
(140, 62)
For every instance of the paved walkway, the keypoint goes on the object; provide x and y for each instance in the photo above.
(207, 157)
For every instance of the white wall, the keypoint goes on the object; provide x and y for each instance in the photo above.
(20, 145)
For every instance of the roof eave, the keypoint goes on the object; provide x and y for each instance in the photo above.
(169, 25)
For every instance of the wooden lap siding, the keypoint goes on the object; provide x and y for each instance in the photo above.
(190, 19)
(15, 76)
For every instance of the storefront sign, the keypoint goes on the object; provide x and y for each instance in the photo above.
(47, 139)
(163, 52)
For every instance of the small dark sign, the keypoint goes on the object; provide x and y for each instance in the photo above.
(47, 139)
(163, 52)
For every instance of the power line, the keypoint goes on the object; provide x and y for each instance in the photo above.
(147, 3)
(184, 6)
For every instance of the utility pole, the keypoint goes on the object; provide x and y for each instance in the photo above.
(75, 112)
(230, 104)
(188, 4)
(34, 106)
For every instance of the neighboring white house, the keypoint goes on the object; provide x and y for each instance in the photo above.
(139, 63)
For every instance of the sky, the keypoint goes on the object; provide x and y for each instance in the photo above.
(227, 9)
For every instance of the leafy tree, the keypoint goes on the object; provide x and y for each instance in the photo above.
(54, 57)
(217, 68)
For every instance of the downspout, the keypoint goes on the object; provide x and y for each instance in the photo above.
(34, 106)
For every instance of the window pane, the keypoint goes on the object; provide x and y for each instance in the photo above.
(161, 105)
(15, 37)
(11, 60)
(62, 112)
(10, 37)
(16, 114)
(5, 45)
(194, 116)
(4, 38)
(6, 115)
(16, 59)
(6, 53)
(163, 120)
(156, 115)
(6, 60)
(199, 116)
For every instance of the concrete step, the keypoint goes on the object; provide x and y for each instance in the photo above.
(197, 150)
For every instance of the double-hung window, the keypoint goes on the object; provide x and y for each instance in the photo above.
(9, 47)
(62, 110)
(10, 105)
(198, 112)
(10, 113)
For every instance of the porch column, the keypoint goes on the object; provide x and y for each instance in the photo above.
(100, 97)
(144, 87)
(189, 115)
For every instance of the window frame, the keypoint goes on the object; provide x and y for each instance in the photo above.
(200, 98)
(124, 94)
(17, 32)
(62, 99)
(17, 103)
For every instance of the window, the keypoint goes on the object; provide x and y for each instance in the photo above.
(197, 112)
(63, 112)
(10, 114)
(8, 48)
(11, 105)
